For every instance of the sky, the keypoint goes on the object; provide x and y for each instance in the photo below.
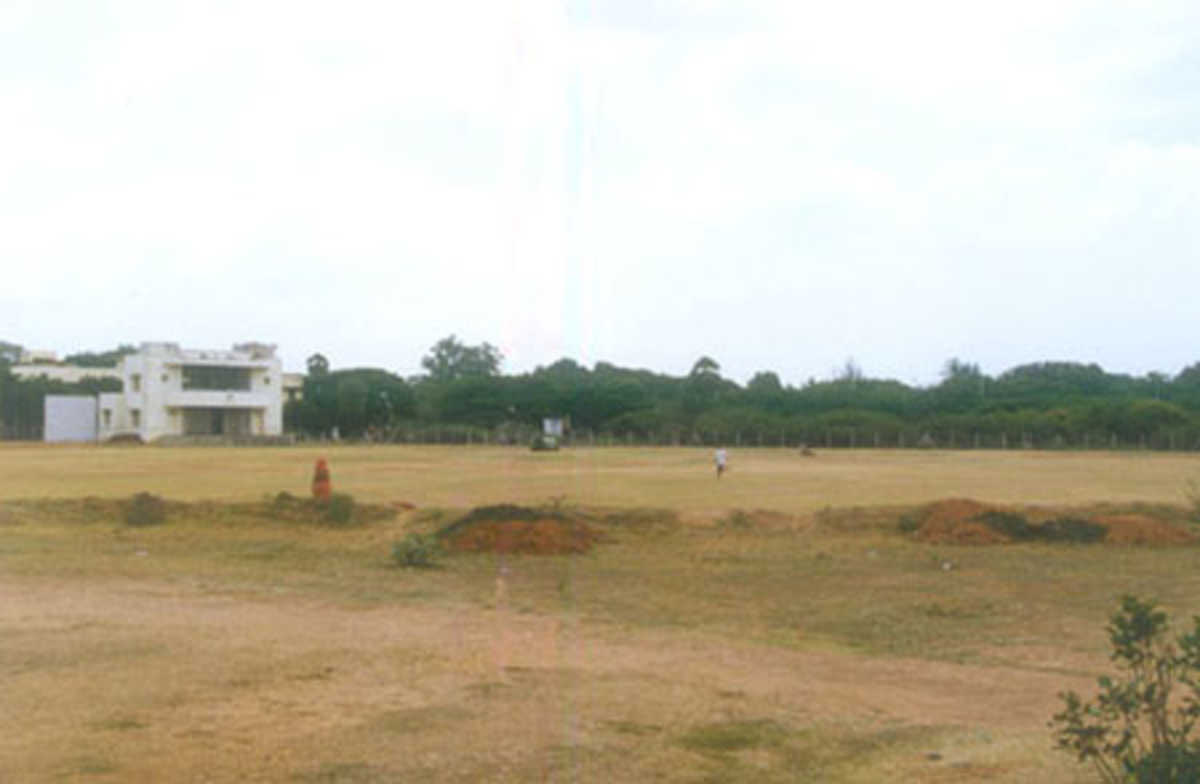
(776, 184)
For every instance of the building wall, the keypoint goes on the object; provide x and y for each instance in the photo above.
(70, 418)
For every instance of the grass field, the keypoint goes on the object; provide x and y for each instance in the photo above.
(814, 643)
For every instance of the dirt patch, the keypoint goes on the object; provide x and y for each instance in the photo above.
(968, 522)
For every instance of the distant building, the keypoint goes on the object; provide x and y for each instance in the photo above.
(33, 356)
(70, 374)
(169, 391)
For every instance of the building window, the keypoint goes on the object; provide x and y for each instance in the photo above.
(266, 381)
(230, 379)
(107, 418)
(165, 378)
(135, 381)
(135, 416)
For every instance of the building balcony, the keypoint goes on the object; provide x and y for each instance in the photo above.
(207, 398)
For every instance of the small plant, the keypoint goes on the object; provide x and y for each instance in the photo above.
(416, 551)
(339, 509)
(145, 509)
(1135, 730)
(908, 523)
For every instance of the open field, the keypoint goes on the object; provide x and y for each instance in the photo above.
(816, 643)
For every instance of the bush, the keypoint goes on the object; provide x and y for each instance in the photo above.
(1134, 730)
(1073, 529)
(145, 509)
(1012, 525)
(1063, 529)
(541, 443)
(416, 551)
(339, 509)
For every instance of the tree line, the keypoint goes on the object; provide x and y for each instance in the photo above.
(462, 391)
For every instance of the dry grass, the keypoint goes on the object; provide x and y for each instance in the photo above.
(757, 637)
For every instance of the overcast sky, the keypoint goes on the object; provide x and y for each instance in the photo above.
(777, 184)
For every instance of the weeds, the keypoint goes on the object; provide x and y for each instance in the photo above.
(145, 509)
(416, 551)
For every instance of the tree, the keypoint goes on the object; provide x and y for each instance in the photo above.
(705, 366)
(449, 359)
(317, 365)
(10, 353)
(100, 359)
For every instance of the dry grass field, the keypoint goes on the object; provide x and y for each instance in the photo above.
(773, 626)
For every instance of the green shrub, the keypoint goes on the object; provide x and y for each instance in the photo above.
(145, 509)
(908, 524)
(416, 551)
(339, 509)
(1135, 730)
(1063, 529)
(1072, 529)
(1011, 525)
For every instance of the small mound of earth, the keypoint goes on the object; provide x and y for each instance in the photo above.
(966, 521)
(547, 536)
(1139, 529)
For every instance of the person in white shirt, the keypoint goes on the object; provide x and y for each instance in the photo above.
(721, 460)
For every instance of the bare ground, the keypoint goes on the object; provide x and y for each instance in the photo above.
(157, 681)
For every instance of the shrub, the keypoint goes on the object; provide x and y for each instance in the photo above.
(339, 509)
(145, 509)
(1134, 730)
(542, 443)
(1073, 529)
(416, 551)
(1011, 525)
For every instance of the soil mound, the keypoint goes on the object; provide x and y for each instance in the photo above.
(518, 530)
(968, 522)
(1140, 529)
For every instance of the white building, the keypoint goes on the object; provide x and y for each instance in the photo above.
(169, 391)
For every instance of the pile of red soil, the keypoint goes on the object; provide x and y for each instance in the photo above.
(1139, 529)
(530, 537)
(956, 521)
(961, 521)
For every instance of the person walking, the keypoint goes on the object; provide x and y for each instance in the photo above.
(721, 459)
